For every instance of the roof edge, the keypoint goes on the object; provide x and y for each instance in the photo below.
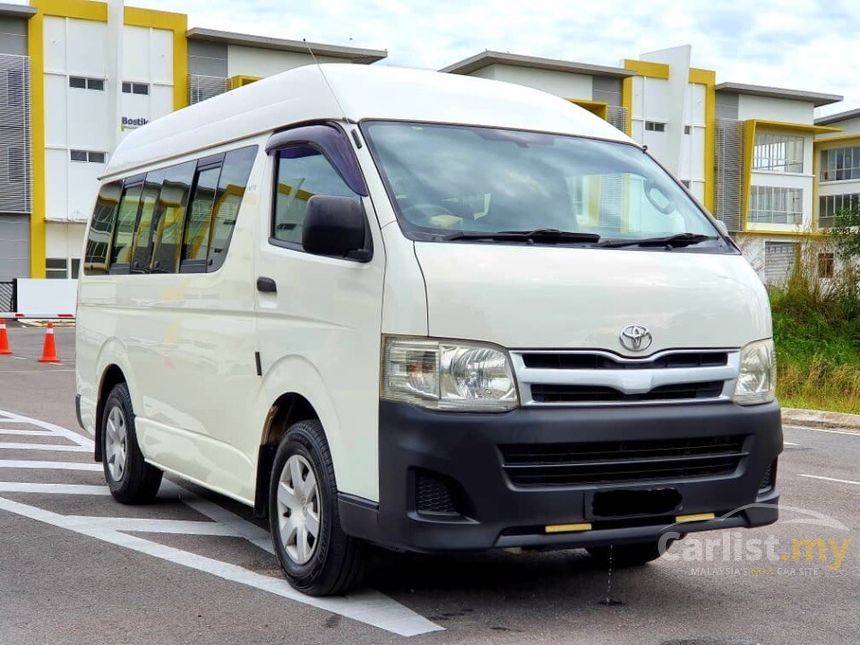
(816, 98)
(838, 117)
(355, 54)
(489, 57)
(18, 10)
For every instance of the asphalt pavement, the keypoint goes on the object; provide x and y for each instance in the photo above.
(77, 567)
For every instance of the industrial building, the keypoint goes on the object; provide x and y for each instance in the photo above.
(76, 76)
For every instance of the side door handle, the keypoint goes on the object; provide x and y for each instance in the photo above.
(266, 285)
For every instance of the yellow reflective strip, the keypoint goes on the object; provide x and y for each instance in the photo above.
(567, 528)
(695, 517)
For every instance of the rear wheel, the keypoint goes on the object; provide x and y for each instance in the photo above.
(626, 555)
(317, 557)
(130, 479)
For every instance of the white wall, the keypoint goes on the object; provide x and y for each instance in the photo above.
(848, 127)
(253, 61)
(564, 84)
(78, 119)
(762, 107)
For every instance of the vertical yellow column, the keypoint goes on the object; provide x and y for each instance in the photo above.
(35, 46)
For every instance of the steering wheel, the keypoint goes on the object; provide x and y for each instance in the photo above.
(423, 213)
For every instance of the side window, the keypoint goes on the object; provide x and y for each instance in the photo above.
(169, 219)
(123, 234)
(302, 173)
(231, 189)
(143, 236)
(101, 228)
(195, 245)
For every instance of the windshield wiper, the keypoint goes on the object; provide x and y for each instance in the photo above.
(546, 235)
(669, 241)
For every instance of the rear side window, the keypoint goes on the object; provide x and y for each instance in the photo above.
(170, 217)
(123, 235)
(101, 229)
(196, 245)
(143, 236)
(302, 173)
(231, 189)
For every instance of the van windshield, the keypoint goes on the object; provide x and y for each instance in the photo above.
(474, 183)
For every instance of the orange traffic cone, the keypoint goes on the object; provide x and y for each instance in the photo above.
(49, 350)
(4, 340)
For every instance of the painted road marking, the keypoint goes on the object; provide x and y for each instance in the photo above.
(49, 465)
(789, 443)
(16, 432)
(831, 479)
(855, 433)
(370, 607)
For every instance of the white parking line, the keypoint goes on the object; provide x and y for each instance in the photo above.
(789, 443)
(831, 479)
(49, 465)
(370, 607)
(16, 432)
(6, 445)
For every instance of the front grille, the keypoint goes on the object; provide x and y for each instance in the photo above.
(433, 495)
(586, 361)
(565, 464)
(601, 394)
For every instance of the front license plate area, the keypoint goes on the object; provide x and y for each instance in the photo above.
(625, 502)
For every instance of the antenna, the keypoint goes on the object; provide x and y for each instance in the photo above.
(327, 84)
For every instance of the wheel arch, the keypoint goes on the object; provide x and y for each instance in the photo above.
(111, 376)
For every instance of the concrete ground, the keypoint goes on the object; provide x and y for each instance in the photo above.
(77, 567)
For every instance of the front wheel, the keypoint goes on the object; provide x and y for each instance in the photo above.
(317, 557)
(626, 555)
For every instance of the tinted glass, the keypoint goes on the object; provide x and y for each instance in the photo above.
(231, 189)
(196, 241)
(170, 217)
(78, 82)
(302, 173)
(99, 238)
(125, 222)
(143, 237)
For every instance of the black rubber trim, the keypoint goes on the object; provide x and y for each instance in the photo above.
(78, 411)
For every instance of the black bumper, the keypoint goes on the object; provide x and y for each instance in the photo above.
(464, 452)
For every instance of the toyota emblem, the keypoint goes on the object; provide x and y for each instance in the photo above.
(636, 338)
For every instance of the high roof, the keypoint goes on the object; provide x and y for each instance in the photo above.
(354, 54)
(816, 98)
(16, 10)
(487, 57)
(838, 117)
(353, 92)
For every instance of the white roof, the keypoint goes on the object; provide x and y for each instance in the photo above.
(376, 92)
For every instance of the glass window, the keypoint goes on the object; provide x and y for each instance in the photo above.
(123, 234)
(656, 126)
(78, 155)
(195, 246)
(96, 84)
(231, 189)
(302, 173)
(101, 229)
(776, 205)
(96, 157)
(170, 217)
(840, 164)
(78, 82)
(143, 236)
(778, 152)
(55, 268)
(450, 179)
(139, 88)
(126, 87)
(825, 265)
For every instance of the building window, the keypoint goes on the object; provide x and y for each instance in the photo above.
(56, 268)
(776, 205)
(779, 259)
(15, 164)
(84, 83)
(778, 152)
(14, 88)
(825, 265)
(839, 164)
(687, 129)
(829, 206)
(87, 156)
(135, 88)
(655, 126)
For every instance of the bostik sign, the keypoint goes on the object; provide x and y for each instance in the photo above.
(129, 123)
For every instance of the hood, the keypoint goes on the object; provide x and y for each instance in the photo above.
(543, 297)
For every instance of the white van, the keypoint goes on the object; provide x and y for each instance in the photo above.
(427, 312)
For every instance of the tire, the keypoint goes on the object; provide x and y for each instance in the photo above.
(330, 562)
(626, 555)
(130, 479)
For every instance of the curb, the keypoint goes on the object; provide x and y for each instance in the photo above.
(820, 419)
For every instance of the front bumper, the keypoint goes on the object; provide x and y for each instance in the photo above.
(463, 450)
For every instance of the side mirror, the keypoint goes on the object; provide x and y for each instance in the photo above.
(336, 227)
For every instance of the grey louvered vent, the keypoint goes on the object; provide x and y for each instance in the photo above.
(202, 87)
(15, 144)
(617, 116)
(729, 163)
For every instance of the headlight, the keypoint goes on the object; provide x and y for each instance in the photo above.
(447, 375)
(757, 377)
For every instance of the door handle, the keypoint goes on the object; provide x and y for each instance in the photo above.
(266, 285)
